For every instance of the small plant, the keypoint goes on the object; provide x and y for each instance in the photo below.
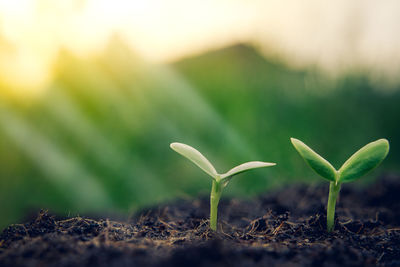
(219, 181)
(361, 162)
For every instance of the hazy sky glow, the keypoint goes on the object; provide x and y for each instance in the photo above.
(332, 34)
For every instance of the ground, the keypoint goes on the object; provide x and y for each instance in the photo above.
(282, 228)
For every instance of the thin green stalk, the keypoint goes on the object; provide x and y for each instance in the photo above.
(334, 189)
(216, 192)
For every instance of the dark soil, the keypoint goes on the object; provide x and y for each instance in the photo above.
(285, 228)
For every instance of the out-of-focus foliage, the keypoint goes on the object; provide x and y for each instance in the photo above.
(98, 140)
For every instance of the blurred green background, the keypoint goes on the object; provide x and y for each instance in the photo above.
(97, 140)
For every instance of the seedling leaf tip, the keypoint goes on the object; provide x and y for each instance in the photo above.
(364, 160)
(316, 162)
(196, 157)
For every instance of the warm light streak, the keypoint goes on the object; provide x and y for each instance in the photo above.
(327, 33)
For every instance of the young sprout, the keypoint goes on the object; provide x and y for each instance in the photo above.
(219, 181)
(361, 162)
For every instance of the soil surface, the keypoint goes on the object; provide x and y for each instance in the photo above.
(284, 228)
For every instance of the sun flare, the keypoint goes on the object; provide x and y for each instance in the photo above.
(33, 31)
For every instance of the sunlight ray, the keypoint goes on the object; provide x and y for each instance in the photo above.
(79, 186)
(108, 154)
(184, 94)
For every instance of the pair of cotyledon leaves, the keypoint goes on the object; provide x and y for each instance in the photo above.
(361, 162)
(197, 158)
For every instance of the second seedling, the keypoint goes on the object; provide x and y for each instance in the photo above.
(219, 181)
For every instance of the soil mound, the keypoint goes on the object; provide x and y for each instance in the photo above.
(284, 228)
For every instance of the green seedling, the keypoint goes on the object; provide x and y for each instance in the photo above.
(360, 163)
(219, 181)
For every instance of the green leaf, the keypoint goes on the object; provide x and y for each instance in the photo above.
(316, 162)
(196, 157)
(364, 160)
(242, 168)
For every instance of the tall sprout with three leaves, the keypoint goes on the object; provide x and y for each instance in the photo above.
(361, 162)
(219, 181)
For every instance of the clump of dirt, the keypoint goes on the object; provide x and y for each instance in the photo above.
(284, 228)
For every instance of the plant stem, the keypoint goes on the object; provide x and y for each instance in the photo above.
(216, 191)
(334, 189)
